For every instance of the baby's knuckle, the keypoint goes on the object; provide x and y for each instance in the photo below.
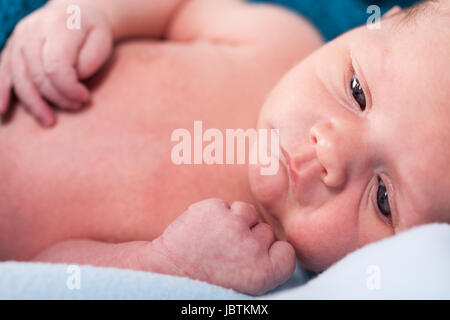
(243, 206)
(194, 214)
(54, 18)
(211, 206)
(234, 225)
(252, 245)
(219, 203)
(37, 78)
(265, 228)
(18, 30)
(238, 204)
(53, 65)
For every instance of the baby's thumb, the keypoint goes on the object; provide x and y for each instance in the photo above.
(95, 51)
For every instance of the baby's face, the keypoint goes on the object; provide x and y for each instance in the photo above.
(365, 137)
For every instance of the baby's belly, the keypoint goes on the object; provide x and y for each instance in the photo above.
(106, 173)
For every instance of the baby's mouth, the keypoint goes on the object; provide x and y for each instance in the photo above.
(285, 159)
(303, 175)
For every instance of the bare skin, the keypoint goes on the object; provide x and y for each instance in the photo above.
(105, 175)
(359, 162)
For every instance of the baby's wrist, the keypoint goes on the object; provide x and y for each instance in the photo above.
(155, 257)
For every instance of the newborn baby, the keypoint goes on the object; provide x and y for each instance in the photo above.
(363, 127)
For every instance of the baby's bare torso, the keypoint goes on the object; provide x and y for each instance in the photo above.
(106, 173)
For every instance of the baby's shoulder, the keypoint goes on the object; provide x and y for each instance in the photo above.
(270, 29)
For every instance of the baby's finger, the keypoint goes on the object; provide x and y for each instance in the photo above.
(33, 59)
(59, 56)
(246, 212)
(282, 256)
(263, 232)
(95, 51)
(5, 83)
(27, 93)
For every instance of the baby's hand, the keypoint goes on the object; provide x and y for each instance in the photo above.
(44, 59)
(227, 246)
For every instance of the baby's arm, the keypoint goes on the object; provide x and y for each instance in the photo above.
(212, 241)
(132, 18)
(230, 21)
(136, 255)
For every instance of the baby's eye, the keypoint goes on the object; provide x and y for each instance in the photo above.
(358, 93)
(383, 200)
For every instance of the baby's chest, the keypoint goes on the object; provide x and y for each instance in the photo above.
(114, 160)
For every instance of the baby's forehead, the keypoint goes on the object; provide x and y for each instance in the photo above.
(412, 71)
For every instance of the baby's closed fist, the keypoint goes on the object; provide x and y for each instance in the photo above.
(227, 246)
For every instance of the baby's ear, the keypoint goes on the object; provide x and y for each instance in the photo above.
(392, 11)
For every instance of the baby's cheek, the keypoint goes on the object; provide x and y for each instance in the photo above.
(322, 237)
(371, 228)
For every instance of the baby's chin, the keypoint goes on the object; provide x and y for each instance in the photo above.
(269, 192)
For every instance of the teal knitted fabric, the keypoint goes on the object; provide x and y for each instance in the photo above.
(334, 17)
(11, 11)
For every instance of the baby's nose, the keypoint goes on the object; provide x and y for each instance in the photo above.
(334, 149)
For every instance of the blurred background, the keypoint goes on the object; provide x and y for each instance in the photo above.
(331, 17)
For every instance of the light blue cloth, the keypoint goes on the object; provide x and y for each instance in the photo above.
(50, 281)
(412, 265)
